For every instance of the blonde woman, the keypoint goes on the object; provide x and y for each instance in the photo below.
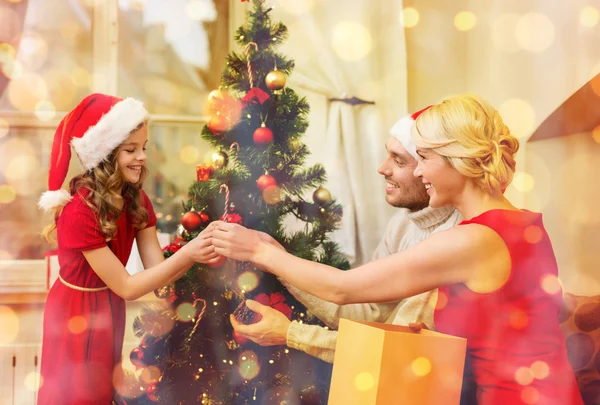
(96, 221)
(491, 270)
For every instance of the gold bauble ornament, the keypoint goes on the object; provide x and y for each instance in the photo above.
(220, 159)
(322, 196)
(182, 233)
(275, 80)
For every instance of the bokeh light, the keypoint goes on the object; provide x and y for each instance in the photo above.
(523, 182)
(248, 281)
(12, 69)
(533, 234)
(159, 322)
(81, 78)
(20, 167)
(535, 32)
(149, 375)
(540, 370)
(364, 381)
(421, 366)
(523, 376)
(7, 194)
(185, 312)
(530, 395)
(4, 127)
(519, 116)
(409, 17)
(249, 366)
(576, 179)
(69, 29)
(189, 154)
(45, 111)
(351, 41)
(77, 325)
(61, 89)
(26, 91)
(465, 20)
(126, 382)
(7, 53)
(503, 32)
(33, 51)
(10, 325)
(33, 381)
(589, 16)
(272, 195)
(551, 284)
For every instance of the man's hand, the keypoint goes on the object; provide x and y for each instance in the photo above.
(271, 330)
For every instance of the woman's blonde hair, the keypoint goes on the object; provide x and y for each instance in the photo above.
(471, 135)
(105, 183)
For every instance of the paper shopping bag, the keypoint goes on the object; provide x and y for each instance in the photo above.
(382, 364)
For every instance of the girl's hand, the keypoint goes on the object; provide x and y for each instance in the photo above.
(238, 243)
(200, 249)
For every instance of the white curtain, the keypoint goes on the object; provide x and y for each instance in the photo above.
(344, 49)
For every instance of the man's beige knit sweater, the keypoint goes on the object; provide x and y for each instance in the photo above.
(404, 230)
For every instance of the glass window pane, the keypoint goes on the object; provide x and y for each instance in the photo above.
(51, 69)
(171, 54)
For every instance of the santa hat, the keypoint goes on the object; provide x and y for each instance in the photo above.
(401, 131)
(95, 128)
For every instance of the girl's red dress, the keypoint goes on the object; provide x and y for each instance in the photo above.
(516, 351)
(84, 331)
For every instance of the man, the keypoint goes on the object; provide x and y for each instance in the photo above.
(414, 223)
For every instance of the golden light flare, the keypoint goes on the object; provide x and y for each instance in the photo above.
(26, 91)
(7, 53)
(533, 234)
(364, 381)
(81, 78)
(421, 366)
(409, 17)
(185, 312)
(33, 51)
(589, 16)
(248, 281)
(518, 319)
(149, 375)
(33, 381)
(189, 155)
(248, 365)
(61, 89)
(535, 32)
(69, 30)
(45, 111)
(545, 181)
(540, 370)
(4, 128)
(551, 284)
(530, 395)
(465, 20)
(7, 194)
(272, 195)
(126, 382)
(10, 325)
(295, 7)
(20, 167)
(351, 41)
(519, 116)
(523, 376)
(77, 325)
(523, 182)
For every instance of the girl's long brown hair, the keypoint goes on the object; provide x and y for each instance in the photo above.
(105, 182)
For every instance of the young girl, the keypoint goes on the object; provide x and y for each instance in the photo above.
(496, 272)
(96, 222)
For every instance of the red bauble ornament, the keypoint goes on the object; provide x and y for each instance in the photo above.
(152, 392)
(204, 172)
(137, 357)
(263, 135)
(265, 181)
(218, 124)
(232, 216)
(191, 221)
(220, 262)
(239, 339)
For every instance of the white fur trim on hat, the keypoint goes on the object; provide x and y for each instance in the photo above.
(401, 131)
(52, 199)
(110, 131)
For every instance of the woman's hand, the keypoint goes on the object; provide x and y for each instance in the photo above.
(237, 242)
(200, 249)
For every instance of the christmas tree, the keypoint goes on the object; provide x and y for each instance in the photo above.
(188, 352)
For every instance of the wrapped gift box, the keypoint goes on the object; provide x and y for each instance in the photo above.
(382, 364)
